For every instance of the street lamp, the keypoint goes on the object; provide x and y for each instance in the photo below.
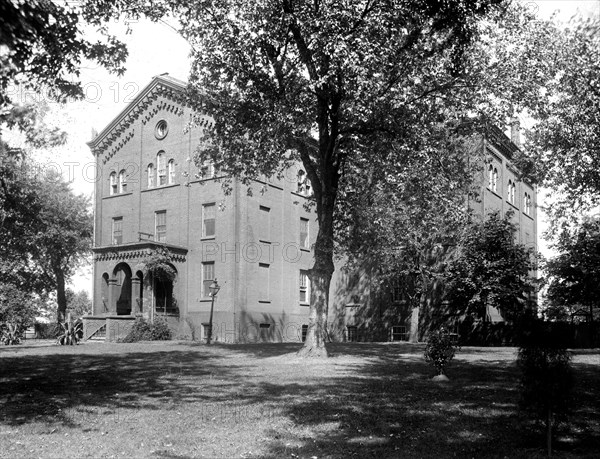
(214, 289)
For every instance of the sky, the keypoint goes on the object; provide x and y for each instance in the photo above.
(156, 48)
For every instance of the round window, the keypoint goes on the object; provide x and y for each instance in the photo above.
(161, 130)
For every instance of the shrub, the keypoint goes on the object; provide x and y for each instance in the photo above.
(546, 377)
(48, 331)
(145, 331)
(440, 349)
(160, 330)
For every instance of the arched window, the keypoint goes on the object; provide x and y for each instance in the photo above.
(527, 203)
(207, 170)
(509, 191)
(171, 171)
(150, 175)
(303, 184)
(113, 183)
(161, 170)
(490, 176)
(512, 193)
(122, 182)
(495, 180)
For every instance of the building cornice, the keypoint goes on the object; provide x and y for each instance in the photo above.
(161, 86)
(137, 250)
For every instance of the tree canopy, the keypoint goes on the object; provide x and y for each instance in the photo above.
(43, 48)
(489, 268)
(566, 133)
(573, 276)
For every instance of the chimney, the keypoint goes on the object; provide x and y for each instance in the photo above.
(515, 132)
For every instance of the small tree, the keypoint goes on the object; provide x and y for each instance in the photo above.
(546, 379)
(17, 311)
(440, 349)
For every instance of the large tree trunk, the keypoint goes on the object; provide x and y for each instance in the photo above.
(320, 280)
(61, 297)
(414, 319)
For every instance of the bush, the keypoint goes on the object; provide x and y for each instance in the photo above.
(48, 331)
(160, 330)
(145, 331)
(546, 377)
(440, 349)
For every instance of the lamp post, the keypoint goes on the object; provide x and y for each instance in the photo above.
(214, 289)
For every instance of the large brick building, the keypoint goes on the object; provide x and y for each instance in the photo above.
(152, 201)
(150, 198)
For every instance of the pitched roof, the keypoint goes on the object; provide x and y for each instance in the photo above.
(160, 85)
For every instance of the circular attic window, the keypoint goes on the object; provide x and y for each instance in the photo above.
(161, 130)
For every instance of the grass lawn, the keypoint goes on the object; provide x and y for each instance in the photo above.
(182, 399)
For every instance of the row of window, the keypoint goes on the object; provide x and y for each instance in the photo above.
(209, 217)
(510, 190)
(264, 282)
(163, 173)
(160, 225)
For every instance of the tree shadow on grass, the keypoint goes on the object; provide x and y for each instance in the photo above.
(368, 400)
(48, 388)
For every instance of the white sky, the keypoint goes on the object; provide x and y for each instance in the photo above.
(155, 48)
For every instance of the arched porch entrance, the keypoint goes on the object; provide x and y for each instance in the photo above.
(122, 290)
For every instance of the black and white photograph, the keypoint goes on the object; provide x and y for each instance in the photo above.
(303, 229)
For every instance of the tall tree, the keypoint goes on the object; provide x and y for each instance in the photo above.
(64, 236)
(325, 83)
(489, 268)
(46, 229)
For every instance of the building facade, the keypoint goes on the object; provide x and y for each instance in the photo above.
(153, 203)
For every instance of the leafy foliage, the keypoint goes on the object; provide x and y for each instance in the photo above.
(489, 267)
(47, 229)
(78, 303)
(71, 333)
(43, 48)
(573, 276)
(146, 331)
(566, 134)
(159, 264)
(440, 349)
(18, 308)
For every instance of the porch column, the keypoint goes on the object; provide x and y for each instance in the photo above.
(112, 295)
(136, 286)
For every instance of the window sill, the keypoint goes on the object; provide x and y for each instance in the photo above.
(304, 249)
(262, 241)
(302, 195)
(306, 305)
(208, 238)
(495, 193)
(161, 187)
(117, 195)
(264, 301)
(512, 205)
